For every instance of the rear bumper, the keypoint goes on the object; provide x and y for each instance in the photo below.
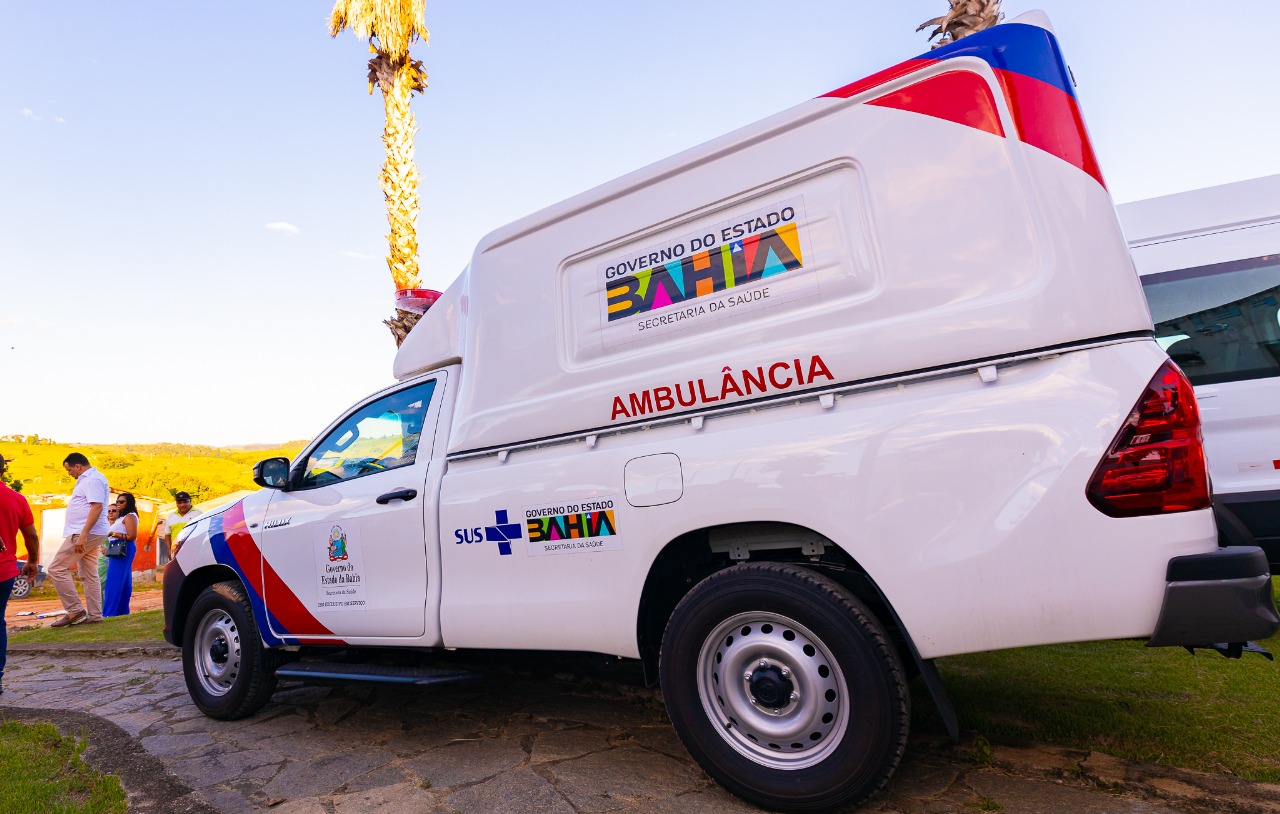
(1221, 596)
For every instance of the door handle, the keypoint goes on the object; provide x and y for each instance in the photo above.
(399, 494)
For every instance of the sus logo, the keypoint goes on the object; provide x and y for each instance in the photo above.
(337, 544)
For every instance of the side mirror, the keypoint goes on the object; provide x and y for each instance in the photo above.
(273, 473)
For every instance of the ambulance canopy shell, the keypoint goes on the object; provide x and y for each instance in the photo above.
(946, 210)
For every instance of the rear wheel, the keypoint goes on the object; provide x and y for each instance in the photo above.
(785, 688)
(21, 587)
(228, 672)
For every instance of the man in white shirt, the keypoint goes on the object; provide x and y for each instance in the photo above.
(86, 528)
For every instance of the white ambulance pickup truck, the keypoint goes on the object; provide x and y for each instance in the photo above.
(786, 416)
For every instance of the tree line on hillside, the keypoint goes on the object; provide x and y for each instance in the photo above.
(146, 470)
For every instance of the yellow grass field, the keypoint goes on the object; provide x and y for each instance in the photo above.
(151, 470)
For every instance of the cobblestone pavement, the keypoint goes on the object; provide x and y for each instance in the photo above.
(532, 740)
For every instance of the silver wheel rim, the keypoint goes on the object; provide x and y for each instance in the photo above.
(743, 663)
(218, 652)
(20, 588)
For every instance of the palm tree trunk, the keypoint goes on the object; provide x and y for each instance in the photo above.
(399, 179)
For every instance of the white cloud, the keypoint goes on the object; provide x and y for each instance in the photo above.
(359, 256)
(59, 120)
(282, 226)
(30, 114)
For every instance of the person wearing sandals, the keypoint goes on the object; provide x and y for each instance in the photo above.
(86, 527)
(118, 588)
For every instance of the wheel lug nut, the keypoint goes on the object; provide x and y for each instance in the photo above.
(746, 677)
(752, 700)
(764, 663)
(785, 672)
(795, 696)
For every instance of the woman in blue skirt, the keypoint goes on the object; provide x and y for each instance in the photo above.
(118, 588)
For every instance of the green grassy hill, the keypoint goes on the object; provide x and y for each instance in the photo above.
(152, 470)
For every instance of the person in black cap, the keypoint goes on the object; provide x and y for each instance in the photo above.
(173, 524)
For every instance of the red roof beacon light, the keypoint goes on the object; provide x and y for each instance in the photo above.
(1156, 463)
(417, 300)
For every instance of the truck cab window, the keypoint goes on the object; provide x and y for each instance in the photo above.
(1219, 323)
(378, 437)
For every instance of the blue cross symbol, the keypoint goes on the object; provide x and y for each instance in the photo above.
(502, 532)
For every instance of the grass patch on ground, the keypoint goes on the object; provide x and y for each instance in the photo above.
(143, 626)
(46, 591)
(41, 772)
(1157, 705)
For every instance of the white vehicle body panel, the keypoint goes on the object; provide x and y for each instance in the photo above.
(950, 492)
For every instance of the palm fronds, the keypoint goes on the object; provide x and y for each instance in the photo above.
(393, 23)
(964, 18)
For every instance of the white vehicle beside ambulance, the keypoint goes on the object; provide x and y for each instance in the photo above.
(1209, 261)
(786, 416)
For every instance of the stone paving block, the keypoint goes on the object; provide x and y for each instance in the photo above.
(209, 770)
(287, 721)
(1104, 770)
(323, 775)
(402, 798)
(627, 771)
(318, 744)
(338, 707)
(518, 792)
(380, 717)
(133, 702)
(595, 711)
(228, 799)
(176, 745)
(175, 702)
(135, 723)
(714, 800)
(427, 735)
(591, 804)
(303, 695)
(1023, 796)
(563, 744)
(390, 775)
(922, 777)
(308, 805)
(172, 683)
(1048, 760)
(1177, 789)
(658, 737)
(467, 762)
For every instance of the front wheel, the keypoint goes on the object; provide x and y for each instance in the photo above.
(785, 688)
(228, 672)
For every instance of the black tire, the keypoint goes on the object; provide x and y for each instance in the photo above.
(785, 688)
(229, 673)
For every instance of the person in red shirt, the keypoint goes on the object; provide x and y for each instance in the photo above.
(15, 517)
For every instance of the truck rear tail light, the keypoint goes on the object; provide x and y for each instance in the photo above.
(1156, 463)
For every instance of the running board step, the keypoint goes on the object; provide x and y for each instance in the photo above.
(371, 673)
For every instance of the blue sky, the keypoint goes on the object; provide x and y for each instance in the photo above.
(191, 232)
